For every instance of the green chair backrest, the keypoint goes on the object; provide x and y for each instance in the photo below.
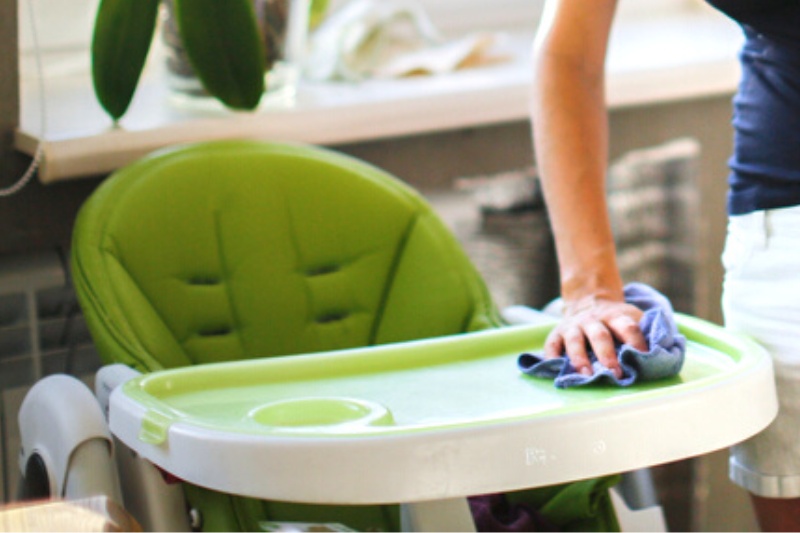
(239, 249)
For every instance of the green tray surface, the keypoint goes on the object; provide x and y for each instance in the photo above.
(446, 382)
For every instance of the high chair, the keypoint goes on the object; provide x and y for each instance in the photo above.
(294, 337)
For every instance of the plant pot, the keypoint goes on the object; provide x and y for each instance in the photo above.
(284, 30)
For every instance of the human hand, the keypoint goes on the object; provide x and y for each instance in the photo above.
(595, 323)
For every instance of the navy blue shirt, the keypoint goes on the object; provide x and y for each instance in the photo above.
(765, 166)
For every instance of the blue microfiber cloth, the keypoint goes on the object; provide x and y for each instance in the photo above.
(665, 358)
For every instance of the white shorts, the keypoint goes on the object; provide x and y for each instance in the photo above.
(761, 297)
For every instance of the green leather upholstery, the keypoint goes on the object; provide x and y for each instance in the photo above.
(232, 250)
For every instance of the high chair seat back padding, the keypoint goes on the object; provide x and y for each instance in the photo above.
(240, 249)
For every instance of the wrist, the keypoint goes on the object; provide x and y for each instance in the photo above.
(583, 291)
(572, 306)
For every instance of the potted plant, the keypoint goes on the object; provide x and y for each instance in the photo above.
(222, 39)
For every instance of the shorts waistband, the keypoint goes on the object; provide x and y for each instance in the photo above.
(768, 223)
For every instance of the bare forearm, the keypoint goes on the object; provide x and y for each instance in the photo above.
(571, 143)
(570, 131)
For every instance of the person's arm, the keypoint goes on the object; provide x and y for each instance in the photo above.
(570, 131)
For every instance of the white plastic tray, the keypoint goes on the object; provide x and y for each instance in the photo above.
(434, 419)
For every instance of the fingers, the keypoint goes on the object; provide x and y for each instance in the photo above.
(627, 330)
(575, 344)
(602, 342)
(575, 339)
(598, 332)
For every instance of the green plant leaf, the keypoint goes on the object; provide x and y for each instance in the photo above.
(318, 11)
(123, 32)
(222, 40)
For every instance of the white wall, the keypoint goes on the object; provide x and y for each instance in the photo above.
(61, 25)
(66, 24)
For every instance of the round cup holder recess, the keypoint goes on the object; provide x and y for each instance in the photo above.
(321, 412)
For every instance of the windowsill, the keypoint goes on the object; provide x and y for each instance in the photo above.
(681, 56)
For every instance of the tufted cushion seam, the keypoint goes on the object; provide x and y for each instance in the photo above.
(235, 322)
(112, 255)
(390, 277)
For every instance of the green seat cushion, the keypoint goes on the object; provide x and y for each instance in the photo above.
(234, 250)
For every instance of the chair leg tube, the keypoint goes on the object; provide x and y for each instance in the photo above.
(156, 504)
(92, 472)
(437, 515)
